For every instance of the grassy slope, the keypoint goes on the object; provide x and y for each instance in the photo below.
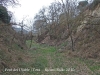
(10, 52)
(43, 56)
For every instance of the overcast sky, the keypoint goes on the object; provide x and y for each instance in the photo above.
(29, 8)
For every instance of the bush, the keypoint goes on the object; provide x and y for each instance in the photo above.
(4, 15)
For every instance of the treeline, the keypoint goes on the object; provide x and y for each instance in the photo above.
(6, 25)
(5, 15)
(56, 18)
(61, 19)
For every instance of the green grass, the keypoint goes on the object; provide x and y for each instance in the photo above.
(40, 63)
(48, 50)
(91, 64)
(47, 57)
(15, 46)
(23, 65)
(64, 44)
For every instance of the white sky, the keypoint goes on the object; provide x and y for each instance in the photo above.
(29, 8)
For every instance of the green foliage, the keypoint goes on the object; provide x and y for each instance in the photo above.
(4, 16)
(40, 63)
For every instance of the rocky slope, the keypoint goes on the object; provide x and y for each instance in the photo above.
(88, 34)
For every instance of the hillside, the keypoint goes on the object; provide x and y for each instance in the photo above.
(11, 48)
(64, 43)
(87, 36)
(19, 30)
(40, 58)
(85, 32)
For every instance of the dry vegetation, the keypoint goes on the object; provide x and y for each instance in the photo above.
(80, 33)
(64, 36)
(11, 50)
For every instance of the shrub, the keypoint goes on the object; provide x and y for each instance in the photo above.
(4, 16)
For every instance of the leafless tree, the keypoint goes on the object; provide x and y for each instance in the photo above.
(40, 20)
(69, 7)
(9, 2)
(53, 14)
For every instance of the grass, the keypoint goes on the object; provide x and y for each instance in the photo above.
(23, 65)
(40, 63)
(91, 64)
(48, 57)
(64, 44)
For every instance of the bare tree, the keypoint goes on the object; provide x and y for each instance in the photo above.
(40, 21)
(9, 2)
(31, 36)
(54, 12)
(69, 7)
(21, 33)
